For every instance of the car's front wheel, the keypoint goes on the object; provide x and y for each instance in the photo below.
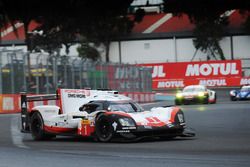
(206, 100)
(233, 98)
(104, 129)
(178, 102)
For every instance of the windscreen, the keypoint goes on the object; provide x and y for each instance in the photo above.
(126, 107)
(245, 89)
(193, 89)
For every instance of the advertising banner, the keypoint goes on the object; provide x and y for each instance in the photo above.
(127, 78)
(209, 73)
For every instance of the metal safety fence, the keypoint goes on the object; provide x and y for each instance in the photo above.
(43, 73)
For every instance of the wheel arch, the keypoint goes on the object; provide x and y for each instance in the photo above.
(32, 112)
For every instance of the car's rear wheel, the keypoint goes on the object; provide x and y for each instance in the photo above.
(104, 129)
(37, 127)
(215, 98)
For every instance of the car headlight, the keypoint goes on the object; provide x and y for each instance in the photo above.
(200, 94)
(179, 95)
(126, 122)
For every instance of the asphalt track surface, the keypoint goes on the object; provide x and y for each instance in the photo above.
(223, 140)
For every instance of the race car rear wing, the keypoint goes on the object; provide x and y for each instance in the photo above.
(69, 100)
(24, 107)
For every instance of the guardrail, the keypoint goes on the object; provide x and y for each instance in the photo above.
(47, 73)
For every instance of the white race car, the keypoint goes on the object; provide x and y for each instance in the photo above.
(99, 114)
(195, 94)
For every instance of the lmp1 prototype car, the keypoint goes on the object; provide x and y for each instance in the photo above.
(242, 94)
(195, 94)
(102, 115)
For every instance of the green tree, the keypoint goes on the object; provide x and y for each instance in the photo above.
(85, 50)
(209, 20)
(108, 28)
(63, 22)
(208, 32)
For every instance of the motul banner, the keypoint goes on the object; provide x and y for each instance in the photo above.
(209, 73)
(212, 82)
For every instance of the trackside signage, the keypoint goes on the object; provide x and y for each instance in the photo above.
(127, 77)
(212, 69)
(209, 73)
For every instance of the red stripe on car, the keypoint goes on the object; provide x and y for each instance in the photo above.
(173, 114)
(53, 129)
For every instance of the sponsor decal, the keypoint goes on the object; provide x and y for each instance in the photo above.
(180, 117)
(123, 131)
(130, 85)
(114, 126)
(74, 91)
(126, 73)
(76, 95)
(158, 71)
(245, 81)
(24, 105)
(154, 121)
(48, 110)
(170, 84)
(215, 69)
(188, 70)
(128, 77)
(60, 124)
(213, 82)
(125, 77)
(124, 128)
(209, 73)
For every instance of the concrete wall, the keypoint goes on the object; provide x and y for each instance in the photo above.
(171, 50)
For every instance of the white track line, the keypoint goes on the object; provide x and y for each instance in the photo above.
(16, 135)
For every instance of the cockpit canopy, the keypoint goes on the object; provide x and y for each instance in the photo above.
(125, 106)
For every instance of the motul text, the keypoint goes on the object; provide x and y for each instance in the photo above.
(215, 69)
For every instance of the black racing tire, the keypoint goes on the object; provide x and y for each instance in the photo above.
(104, 130)
(232, 98)
(206, 100)
(178, 102)
(215, 99)
(37, 128)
